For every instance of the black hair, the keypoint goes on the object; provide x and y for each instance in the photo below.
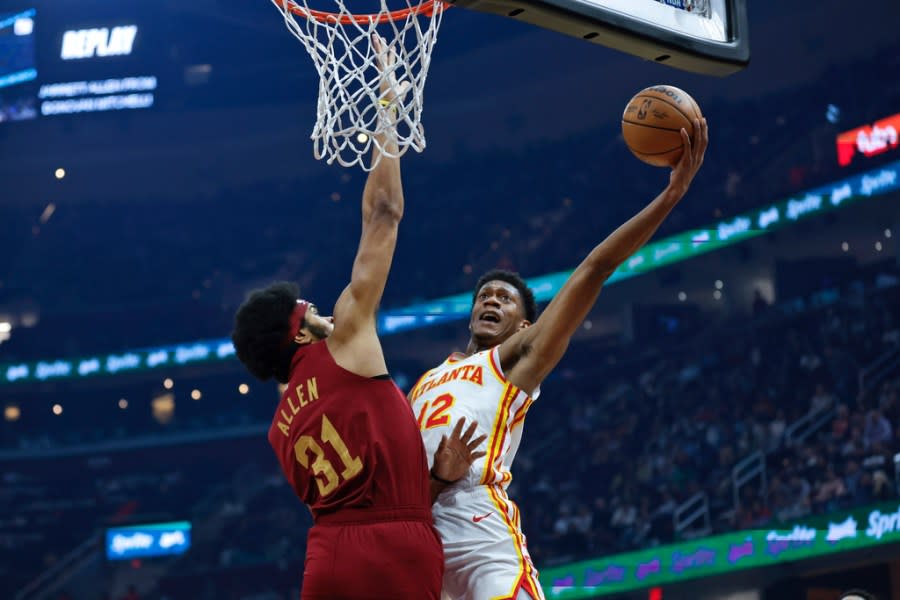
(530, 305)
(261, 327)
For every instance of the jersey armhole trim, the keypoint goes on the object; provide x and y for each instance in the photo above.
(494, 362)
(455, 357)
(409, 397)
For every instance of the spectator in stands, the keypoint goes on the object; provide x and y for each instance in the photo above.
(888, 401)
(881, 486)
(131, 594)
(776, 430)
(821, 400)
(878, 430)
(865, 492)
(580, 525)
(841, 423)
(852, 478)
(755, 515)
(796, 501)
(843, 369)
(759, 303)
(853, 447)
(831, 491)
(561, 525)
(624, 518)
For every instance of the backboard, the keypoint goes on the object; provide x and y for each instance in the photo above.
(704, 36)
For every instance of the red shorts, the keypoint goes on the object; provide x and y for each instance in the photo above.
(374, 554)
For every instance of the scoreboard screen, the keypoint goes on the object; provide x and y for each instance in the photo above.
(705, 20)
(54, 62)
(17, 66)
(703, 36)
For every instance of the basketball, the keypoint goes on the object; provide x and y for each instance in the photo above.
(653, 120)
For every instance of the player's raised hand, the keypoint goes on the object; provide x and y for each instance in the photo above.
(691, 159)
(456, 453)
(392, 90)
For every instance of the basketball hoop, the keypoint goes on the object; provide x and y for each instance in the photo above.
(351, 113)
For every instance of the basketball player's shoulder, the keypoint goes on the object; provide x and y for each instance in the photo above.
(455, 357)
(452, 361)
(483, 359)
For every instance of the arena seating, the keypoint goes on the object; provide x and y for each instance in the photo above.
(617, 442)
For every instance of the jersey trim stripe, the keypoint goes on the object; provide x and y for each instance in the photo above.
(495, 444)
(526, 570)
(520, 414)
(526, 584)
(495, 363)
(531, 572)
(501, 508)
(532, 587)
(505, 477)
(412, 391)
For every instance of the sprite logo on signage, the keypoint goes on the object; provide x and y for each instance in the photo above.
(724, 553)
(881, 524)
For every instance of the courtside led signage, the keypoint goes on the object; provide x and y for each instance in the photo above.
(849, 530)
(139, 541)
(868, 140)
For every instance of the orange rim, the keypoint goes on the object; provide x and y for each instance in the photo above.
(425, 8)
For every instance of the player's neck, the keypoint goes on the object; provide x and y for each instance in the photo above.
(474, 347)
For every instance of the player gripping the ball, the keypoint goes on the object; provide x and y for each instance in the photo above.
(510, 352)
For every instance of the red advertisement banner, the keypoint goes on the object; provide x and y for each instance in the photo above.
(868, 140)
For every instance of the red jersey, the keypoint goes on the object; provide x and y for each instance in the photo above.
(346, 441)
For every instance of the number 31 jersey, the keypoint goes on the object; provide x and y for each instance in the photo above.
(473, 387)
(347, 441)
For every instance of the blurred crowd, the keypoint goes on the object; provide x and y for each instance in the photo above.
(611, 451)
(673, 427)
(603, 469)
(535, 209)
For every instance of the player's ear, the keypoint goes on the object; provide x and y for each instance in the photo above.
(304, 336)
(525, 324)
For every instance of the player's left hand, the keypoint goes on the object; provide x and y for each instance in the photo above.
(456, 454)
(691, 159)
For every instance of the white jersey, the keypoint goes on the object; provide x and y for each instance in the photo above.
(484, 548)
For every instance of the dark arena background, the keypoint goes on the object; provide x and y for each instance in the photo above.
(724, 426)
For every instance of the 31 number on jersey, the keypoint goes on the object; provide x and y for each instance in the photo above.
(327, 479)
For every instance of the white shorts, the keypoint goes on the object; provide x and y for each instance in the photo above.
(485, 555)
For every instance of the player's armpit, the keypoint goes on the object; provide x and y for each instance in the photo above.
(529, 355)
(354, 344)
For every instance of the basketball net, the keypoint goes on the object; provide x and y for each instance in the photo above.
(350, 113)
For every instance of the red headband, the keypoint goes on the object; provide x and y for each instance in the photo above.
(297, 316)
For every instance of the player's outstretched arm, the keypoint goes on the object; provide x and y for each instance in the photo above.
(354, 341)
(454, 456)
(532, 353)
